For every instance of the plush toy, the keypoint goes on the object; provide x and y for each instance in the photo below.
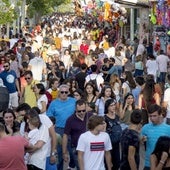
(107, 8)
(157, 45)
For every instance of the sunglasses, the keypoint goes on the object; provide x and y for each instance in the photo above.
(62, 92)
(27, 78)
(79, 111)
(6, 66)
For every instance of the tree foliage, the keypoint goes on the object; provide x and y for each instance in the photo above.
(7, 12)
(43, 7)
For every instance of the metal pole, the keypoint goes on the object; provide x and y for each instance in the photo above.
(132, 33)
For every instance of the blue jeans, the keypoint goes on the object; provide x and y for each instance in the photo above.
(50, 166)
(60, 154)
(162, 77)
(138, 73)
(59, 149)
(119, 69)
(75, 158)
(115, 153)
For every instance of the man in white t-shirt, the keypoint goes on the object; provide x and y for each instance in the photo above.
(152, 66)
(94, 145)
(162, 61)
(37, 66)
(12, 41)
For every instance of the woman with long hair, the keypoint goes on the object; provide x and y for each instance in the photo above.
(72, 83)
(115, 84)
(66, 59)
(11, 125)
(90, 97)
(126, 110)
(128, 83)
(114, 130)
(78, 94)
(160, 157)
(148, 95)
(105, 94)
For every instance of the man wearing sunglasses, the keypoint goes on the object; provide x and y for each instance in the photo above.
(61, 108)
(10, 80)
(75, 126)
(27, 91)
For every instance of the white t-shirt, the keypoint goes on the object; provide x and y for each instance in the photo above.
(37, 65)
(152, 67)
(162, 61)
(110, 52)
(125, 85)
(12, 42)
(38, 158)
(45, 120)
(34, 136)
(40, 100)
(140, 49)
(94, 147)
(66, 59)
(167, 99)
(116, 91)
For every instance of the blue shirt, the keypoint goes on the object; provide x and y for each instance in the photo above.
(113, 70)
(136, 93)
(9, 79)
(61, 110)
(153, 132)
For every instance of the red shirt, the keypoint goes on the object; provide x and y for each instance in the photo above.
(12, 149)
(84, 48)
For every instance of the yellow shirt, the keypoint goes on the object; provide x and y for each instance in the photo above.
(29, 95)
(54, 93)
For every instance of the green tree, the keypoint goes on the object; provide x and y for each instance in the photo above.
(39, 8)
(7, 12)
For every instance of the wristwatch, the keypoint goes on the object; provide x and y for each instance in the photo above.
(53, 153)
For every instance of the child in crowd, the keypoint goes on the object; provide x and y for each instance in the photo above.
(33, 135)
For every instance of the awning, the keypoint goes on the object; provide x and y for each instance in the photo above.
(137, 3)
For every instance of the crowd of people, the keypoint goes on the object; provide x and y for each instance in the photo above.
(74, 93)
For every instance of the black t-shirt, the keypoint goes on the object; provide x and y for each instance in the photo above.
(129, 138)
(80, 78)
(51, 76)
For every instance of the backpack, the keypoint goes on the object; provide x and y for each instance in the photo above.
(114, 129)
(94, 82)
(49, 97)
